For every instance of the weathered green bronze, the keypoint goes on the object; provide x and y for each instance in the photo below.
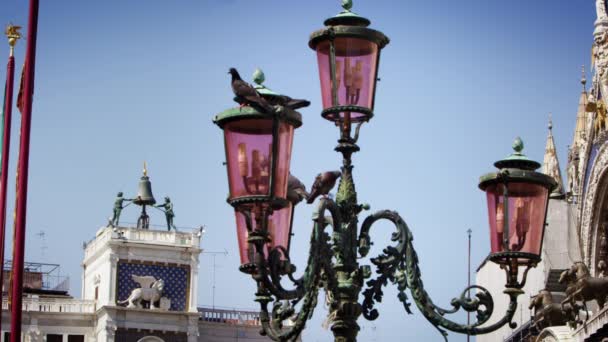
(167, 208)
(344, 279)
(332, 264)
(118, 207)
(144, 197)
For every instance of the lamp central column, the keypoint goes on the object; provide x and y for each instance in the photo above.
(344, 307)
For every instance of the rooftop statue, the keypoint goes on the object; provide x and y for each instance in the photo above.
(168, 209)
(118, 207)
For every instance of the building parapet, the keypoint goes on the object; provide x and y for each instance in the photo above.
(595, 323)
(190, 238)
(228, 316)
(64, 305)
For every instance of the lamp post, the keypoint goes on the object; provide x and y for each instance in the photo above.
(258, 152)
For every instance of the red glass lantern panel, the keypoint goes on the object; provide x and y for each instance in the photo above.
(249, 154)
(356, 63)
(246, 250)
(279, 231)
(281, 174)
(279, 227)
(526, 208)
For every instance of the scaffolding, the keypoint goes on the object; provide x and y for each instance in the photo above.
(38, 277)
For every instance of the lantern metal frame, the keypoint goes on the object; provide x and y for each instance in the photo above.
(287, 115)
(347, 25)
(517, 168)
(265, 203)
(333, 260)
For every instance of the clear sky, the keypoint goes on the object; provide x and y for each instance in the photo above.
(119, 82)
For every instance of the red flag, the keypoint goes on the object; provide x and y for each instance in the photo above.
(20, 97)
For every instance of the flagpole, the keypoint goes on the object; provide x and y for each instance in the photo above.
(12, 33)
(469, 231)
(22, 174)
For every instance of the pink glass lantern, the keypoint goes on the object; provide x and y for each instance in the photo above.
(250, 156)
(517, 206)
(525, 210)
(258, 152)
(348, 53)
(278, 227)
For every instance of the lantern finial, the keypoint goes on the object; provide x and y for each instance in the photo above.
(258, 76)
(518, 145)
(347, 5)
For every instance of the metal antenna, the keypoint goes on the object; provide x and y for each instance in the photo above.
(43, 247)
(214, 254)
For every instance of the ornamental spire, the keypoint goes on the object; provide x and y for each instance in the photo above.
(581, 116)
(583, 78)
(551, 164)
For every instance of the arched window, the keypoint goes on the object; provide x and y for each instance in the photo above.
(151, 339)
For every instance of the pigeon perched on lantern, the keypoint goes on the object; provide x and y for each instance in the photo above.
(245, 93)
(296, 190)
(323, 184)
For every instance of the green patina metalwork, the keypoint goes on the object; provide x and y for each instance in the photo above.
(348, 31)
(333, 113)
(247, 112)
(346, 189)
(259, 78)
(333, 265)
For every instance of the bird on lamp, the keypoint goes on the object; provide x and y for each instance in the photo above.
(323, 184)
(286, 101)
(246, 94)
(296, 190)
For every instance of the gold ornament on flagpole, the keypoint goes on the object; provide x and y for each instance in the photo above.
(13, 34)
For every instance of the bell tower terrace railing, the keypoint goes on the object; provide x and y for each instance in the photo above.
(55, 305)
(184, 237)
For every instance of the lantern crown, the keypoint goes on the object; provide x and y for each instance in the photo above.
(517, 160)
(517, 167)
(347, 23)
(347, 17)
(291, 116)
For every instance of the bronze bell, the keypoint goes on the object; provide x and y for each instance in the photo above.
(144, 193)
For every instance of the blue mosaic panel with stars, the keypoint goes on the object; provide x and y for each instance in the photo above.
(175, 278)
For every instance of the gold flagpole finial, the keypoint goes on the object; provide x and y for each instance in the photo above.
(145, 169)
(13, 34)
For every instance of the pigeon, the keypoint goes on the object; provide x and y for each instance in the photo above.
(323, 184)
(286, 101)
(296, 190)
(246, 94)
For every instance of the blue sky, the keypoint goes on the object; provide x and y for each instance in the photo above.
(120, 82)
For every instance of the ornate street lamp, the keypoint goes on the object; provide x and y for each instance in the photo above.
(258, 137)
(348, 54)
(517, 208)
(258, 153)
